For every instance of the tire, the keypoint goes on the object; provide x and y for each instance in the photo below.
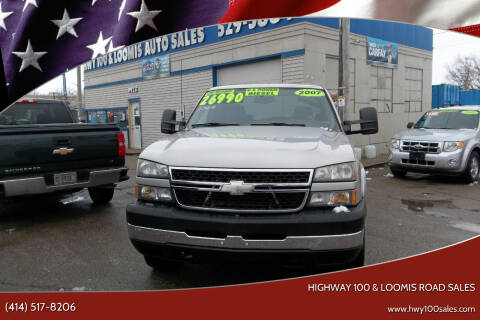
(160, 264)
(398, 172)
(472, 169)
(101, 194)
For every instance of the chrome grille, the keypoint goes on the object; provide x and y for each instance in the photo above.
(271, 190)
(420, 146)
(249, 201)
(245, 176)
(418, 162)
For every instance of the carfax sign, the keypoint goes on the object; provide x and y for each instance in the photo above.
(382, 53)
(156, 67)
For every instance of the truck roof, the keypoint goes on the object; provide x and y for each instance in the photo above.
(268, 85)
(30, 100)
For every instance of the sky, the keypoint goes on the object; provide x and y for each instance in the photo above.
(447, 45)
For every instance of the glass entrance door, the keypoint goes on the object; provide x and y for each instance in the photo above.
(135, 125)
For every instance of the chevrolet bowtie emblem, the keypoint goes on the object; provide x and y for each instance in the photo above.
(237, 188)
(63, 151)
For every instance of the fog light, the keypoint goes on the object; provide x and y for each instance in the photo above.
(452, 162)
(333, 198)
(148, 193)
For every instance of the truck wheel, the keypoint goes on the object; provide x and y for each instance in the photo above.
(160, 264)
(398, 173)
(471, 171)
(101, 194)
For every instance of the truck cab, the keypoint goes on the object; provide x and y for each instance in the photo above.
(258, 170)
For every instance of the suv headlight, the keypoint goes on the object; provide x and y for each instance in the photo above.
(450, 146)
(337, 172)
(395, 144)
(150, 169)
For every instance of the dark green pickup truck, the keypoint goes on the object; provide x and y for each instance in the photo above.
(44, 151)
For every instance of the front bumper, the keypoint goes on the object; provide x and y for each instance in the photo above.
(442, 163)
(38, 185)
(308, 230)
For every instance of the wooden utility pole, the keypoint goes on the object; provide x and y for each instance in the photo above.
(343, 66)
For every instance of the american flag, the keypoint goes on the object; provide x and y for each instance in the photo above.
(41, 39)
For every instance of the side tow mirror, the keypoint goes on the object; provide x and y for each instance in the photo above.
(169, 122)
(368, 122)
(410, 125)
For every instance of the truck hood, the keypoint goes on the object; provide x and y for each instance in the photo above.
(252, 147)
(435, 135)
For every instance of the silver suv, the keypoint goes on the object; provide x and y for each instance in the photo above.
(444, 141)
(258, 170)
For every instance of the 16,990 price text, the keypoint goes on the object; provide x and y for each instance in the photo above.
(40, 307)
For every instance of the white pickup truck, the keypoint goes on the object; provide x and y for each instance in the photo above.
(258, 170)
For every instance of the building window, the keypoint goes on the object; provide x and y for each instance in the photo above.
(414, 89)
(381, 82)
(118, 116)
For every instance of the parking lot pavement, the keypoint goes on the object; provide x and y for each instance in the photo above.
(75, 245)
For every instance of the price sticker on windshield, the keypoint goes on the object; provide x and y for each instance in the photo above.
(262, 92)
(469, 112)
(221, 96)
(433, 114)
(310, 93)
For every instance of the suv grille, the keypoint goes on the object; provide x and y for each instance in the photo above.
(245, 176)
(420, 146)
(419, 162)
(265, 190)
(250, 201)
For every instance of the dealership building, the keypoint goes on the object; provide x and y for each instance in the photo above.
(390, 68)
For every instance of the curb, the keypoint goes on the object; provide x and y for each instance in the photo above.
(375, 164)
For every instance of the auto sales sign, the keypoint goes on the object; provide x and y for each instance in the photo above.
(382, 53)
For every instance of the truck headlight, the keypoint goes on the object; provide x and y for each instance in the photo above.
(155, 194)
(395, 144)
(150, 169)
(450, 146)
(338, 172)
(333, 198)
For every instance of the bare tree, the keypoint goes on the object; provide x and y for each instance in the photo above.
(465, 72)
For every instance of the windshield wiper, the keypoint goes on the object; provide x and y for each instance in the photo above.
(279, 124)
(213, 124)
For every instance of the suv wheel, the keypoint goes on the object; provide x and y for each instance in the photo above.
(398, 172)
(473, 167)
(101, 194)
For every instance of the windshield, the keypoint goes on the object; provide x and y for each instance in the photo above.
(449, 119)
(35, 113)
(265, 107)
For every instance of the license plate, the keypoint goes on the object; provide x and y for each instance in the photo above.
(64, 178)
(417, 156)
